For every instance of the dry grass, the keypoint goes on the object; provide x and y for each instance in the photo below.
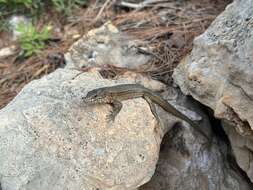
(167, 29)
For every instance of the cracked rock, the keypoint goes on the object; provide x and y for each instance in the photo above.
(219, 73)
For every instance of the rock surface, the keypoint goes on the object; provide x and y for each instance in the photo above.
(7, 51)
(106, 46)
(219, 73)
(242, 149)
(184, 163)
(50, 140)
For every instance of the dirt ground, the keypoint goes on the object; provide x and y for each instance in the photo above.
(166, 27)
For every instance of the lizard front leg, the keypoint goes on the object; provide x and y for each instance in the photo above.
(116, 107)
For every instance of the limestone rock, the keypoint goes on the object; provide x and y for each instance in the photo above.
(186, 163)
(7, 51)
(219, 70)
(242, 149)
(50, 140)
(106, 46)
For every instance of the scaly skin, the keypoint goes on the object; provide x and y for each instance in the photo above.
(115, 94)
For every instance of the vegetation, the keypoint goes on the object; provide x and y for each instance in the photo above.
(62, 6)
(8, 7)
(33, 7)
(15, 3)
(31, 40)
(67, 6)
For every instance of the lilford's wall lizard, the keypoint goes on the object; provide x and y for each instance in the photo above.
(115, 94)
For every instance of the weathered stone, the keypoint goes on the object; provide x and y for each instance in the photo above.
(50, 140)
(219, 71)
(242, 149)
(185, 163)
(106, 46)
(7, 51)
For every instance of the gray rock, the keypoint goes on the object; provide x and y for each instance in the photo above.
(219, 71)
(106, 46)
(185, 163)
(50, 140)
(242, 149)
(7, 51)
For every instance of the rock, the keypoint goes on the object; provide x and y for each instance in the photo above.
(219, 70)
(242, 149)
(105, 46)
(185, 163)
(50, 140)
(7, 51)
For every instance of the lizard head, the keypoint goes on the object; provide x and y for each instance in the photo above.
(96, 96)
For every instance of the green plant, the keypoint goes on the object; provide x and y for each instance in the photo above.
(15, 3)
(14, 6)
(31, 40)
(10, 7)
(33, 8)
(67, 6)
(3, 22)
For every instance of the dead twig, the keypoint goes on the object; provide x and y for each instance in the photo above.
(102, 10)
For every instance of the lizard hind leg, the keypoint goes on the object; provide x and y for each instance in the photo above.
(116, 107)
(154, 112)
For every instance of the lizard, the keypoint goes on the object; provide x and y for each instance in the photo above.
(113, 95)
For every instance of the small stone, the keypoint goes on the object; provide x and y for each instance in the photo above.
(7, 51)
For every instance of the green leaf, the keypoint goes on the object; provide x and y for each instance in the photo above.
(31, 40)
